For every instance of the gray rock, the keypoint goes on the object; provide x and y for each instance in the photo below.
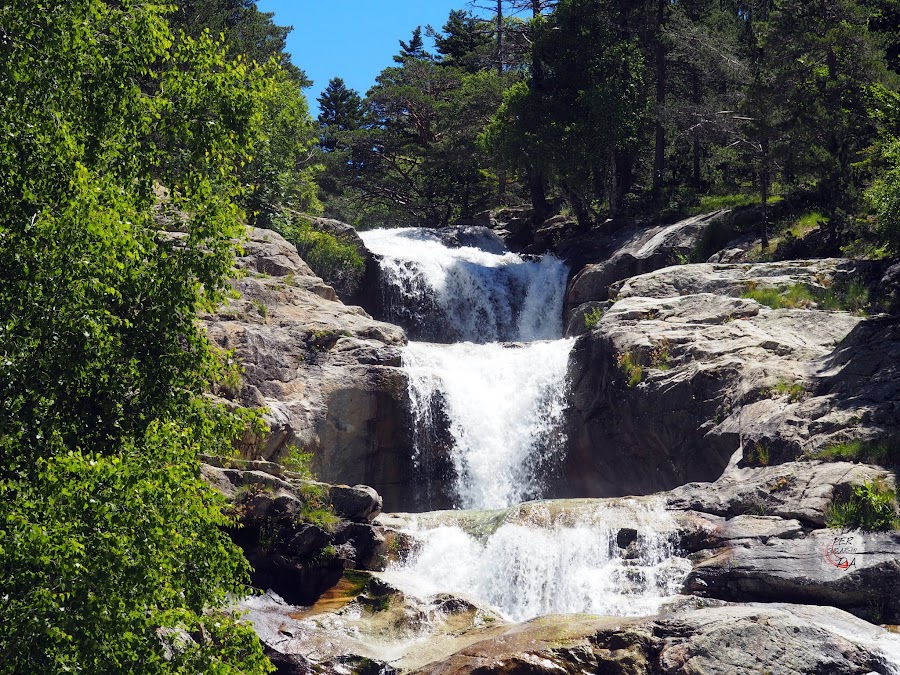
(728, 640)
(733, 279)
(712, 373)
(794, 490)
(359, 503)
(636, 252)
(853, 570)
(326, 373)
(708, 373)
(369, 546)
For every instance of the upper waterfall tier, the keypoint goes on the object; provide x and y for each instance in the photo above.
(474, 292)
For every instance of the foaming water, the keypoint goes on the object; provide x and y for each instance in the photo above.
(504, 406)
(529, 569)
(445, 294)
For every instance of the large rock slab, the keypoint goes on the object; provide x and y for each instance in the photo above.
(794, 490)
(679, 373)
(328, 374)
(734, 279)
(665, 390)
(853, 570)
(730, 640)
(637, 251)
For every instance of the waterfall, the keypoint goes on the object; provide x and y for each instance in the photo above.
(538, 566)
(504, 406)
(440, 293)
(490, 405)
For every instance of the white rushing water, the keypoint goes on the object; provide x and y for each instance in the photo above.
(465, 293)
(501, 403)
(504, 404)
(529, 569)
(499, 393)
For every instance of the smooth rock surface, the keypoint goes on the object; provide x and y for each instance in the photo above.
(710, 374)
(794, 490)
(853, 570)
(636, 252)
(731, 640)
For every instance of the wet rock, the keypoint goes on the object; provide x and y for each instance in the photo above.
(362, 624)
(369, 545)
(475, 236)
(625, 537)
(731, 640)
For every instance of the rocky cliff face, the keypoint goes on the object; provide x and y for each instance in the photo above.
(327, 373)
(680, 373)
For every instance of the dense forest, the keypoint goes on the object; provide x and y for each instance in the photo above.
(611, 111)
(137, 139)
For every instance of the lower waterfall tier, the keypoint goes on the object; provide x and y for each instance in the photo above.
(493, 412)
(541, 559)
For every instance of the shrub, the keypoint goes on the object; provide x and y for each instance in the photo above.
(853, 298)
(660, 356)
(316, 507)
(629, 363)
(334, 259)
(794, 391)
(758, 455)
(871, 506)
(298, 461)
(592, 317)
(885, 452)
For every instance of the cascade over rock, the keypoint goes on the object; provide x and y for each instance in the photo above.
(683, 390)
(487, 411)
(462, 284)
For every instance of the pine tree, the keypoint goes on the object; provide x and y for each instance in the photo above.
(341, 110)
(414, 49)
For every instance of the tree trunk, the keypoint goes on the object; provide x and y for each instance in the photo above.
(582, 214)
(540, 207)
(536, 181)
(764, 189)
(695, 96)
(659, 157)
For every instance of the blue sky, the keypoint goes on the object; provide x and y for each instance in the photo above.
(352, 39)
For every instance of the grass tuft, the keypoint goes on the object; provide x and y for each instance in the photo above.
(871, 506)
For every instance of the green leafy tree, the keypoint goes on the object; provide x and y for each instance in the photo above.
(416, 158)
(111, 554)
(414, 49)
(884, 195)
(249, 33)
(465, 42)
(282, 173)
